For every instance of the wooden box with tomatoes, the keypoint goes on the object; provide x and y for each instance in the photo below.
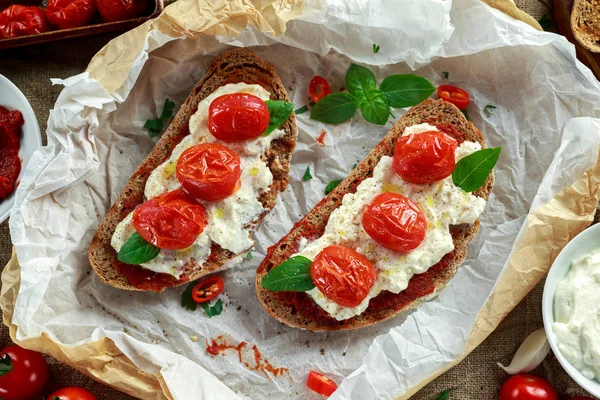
(24, 22)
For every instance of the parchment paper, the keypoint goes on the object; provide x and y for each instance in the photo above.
(546, 190)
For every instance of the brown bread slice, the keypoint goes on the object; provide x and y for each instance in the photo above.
(585, 23)
(238, 65)
(298, 310)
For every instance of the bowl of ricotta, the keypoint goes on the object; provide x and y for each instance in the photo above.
(571, 309)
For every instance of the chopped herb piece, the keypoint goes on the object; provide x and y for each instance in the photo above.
(466, 114)
(307, 176)
(211, 311)
(331, 185)
(445, 74)
(249, 256)
(376, 48)
(301, 110)
(444, 395)
(489, 110)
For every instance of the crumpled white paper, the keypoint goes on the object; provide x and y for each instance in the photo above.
(96, 140)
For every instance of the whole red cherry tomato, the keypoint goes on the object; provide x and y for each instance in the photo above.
(208, 289)
(425, 157)
(454, 95)
(527, 387)
(343, 275)
(70, 13)
(209, 171)
(237, 117)
(321, 384)
(71, 393)
(318, 88)
(395, 222)
(28, 375)
(119, 10)
(18, 20)
(170, 221)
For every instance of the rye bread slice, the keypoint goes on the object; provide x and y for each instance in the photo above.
(298, 310)
(233, 66)
(585, 23)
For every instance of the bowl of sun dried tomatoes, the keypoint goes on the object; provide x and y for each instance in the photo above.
(37, 21)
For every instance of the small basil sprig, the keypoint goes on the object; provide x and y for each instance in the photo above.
(155, 126)
(472, 171)
(187, 301)
(396, 91)
(137, 251)
(292, 275)
(5, 365)
(211, 311)
(279, 111)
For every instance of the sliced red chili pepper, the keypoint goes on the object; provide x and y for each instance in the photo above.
(207, 290)
(454, 95)
(318, 88)
(320, 384)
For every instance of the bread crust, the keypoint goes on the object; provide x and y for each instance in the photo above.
(233, 66)
(298, 310)
(585, 23)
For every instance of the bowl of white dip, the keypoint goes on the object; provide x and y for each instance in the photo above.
(571, 309)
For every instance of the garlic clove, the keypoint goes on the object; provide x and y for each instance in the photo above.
(530, 354)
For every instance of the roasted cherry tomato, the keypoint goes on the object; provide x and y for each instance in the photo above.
(209, 171)
(454, 95)
(318, 88)
(207, 290)
(527, 387)
(320, 384)
(170, 221)
(425, 157)
(71, 393)
(119, 10)
(237, 117)
(395, 222)
(18, 20)
(70, 13)
(27, 377)
(343, 275)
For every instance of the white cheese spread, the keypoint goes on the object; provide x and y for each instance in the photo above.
(230, 220)
(577, 315)
(442, 203)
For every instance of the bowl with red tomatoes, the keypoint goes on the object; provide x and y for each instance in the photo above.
(38, 21)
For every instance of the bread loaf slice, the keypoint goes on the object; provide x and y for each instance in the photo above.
(298, 309)
(585, 23)
(234, 66)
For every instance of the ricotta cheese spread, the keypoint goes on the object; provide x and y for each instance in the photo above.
(577, 315)
(230, 220)
(442, 203)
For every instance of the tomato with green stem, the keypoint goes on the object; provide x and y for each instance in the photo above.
(23, 373)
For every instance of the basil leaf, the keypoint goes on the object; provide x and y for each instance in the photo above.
(167, 111)
(334, 108)
(137, 251)
(359, 79)
(466, 114)
(489, 110)
(5, 365)
(211, 311)
(332, 185)
(249, 256)
(301, 110)
(187, 301)
(374, 107)
(376, 48)
(471, 172)
(307, 176)
(445, 74)
(154, 124)
(279, 112)
(292, 275)
(444, 395)
(406, 90)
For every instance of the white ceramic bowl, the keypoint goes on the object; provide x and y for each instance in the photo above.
(12, 98)
(581, 245)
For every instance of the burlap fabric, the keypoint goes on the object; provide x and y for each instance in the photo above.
(476, 378)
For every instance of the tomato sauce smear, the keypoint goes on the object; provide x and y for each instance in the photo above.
(10, 143)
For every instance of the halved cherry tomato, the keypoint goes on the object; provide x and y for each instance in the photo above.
(321, 384)
(119, 10)
(237, 117)
(527, 387)
(425, 157)
(70, 13)
(209, 171)
(207, 290)
(18, 20)
(395, 222)
(170, 221)
(454, 95)
(28, 375)
(71, 393)
(343, 275)
(318, 88)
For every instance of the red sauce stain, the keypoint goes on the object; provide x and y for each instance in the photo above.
(254, 361)
(321, 137)
(10, 143)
